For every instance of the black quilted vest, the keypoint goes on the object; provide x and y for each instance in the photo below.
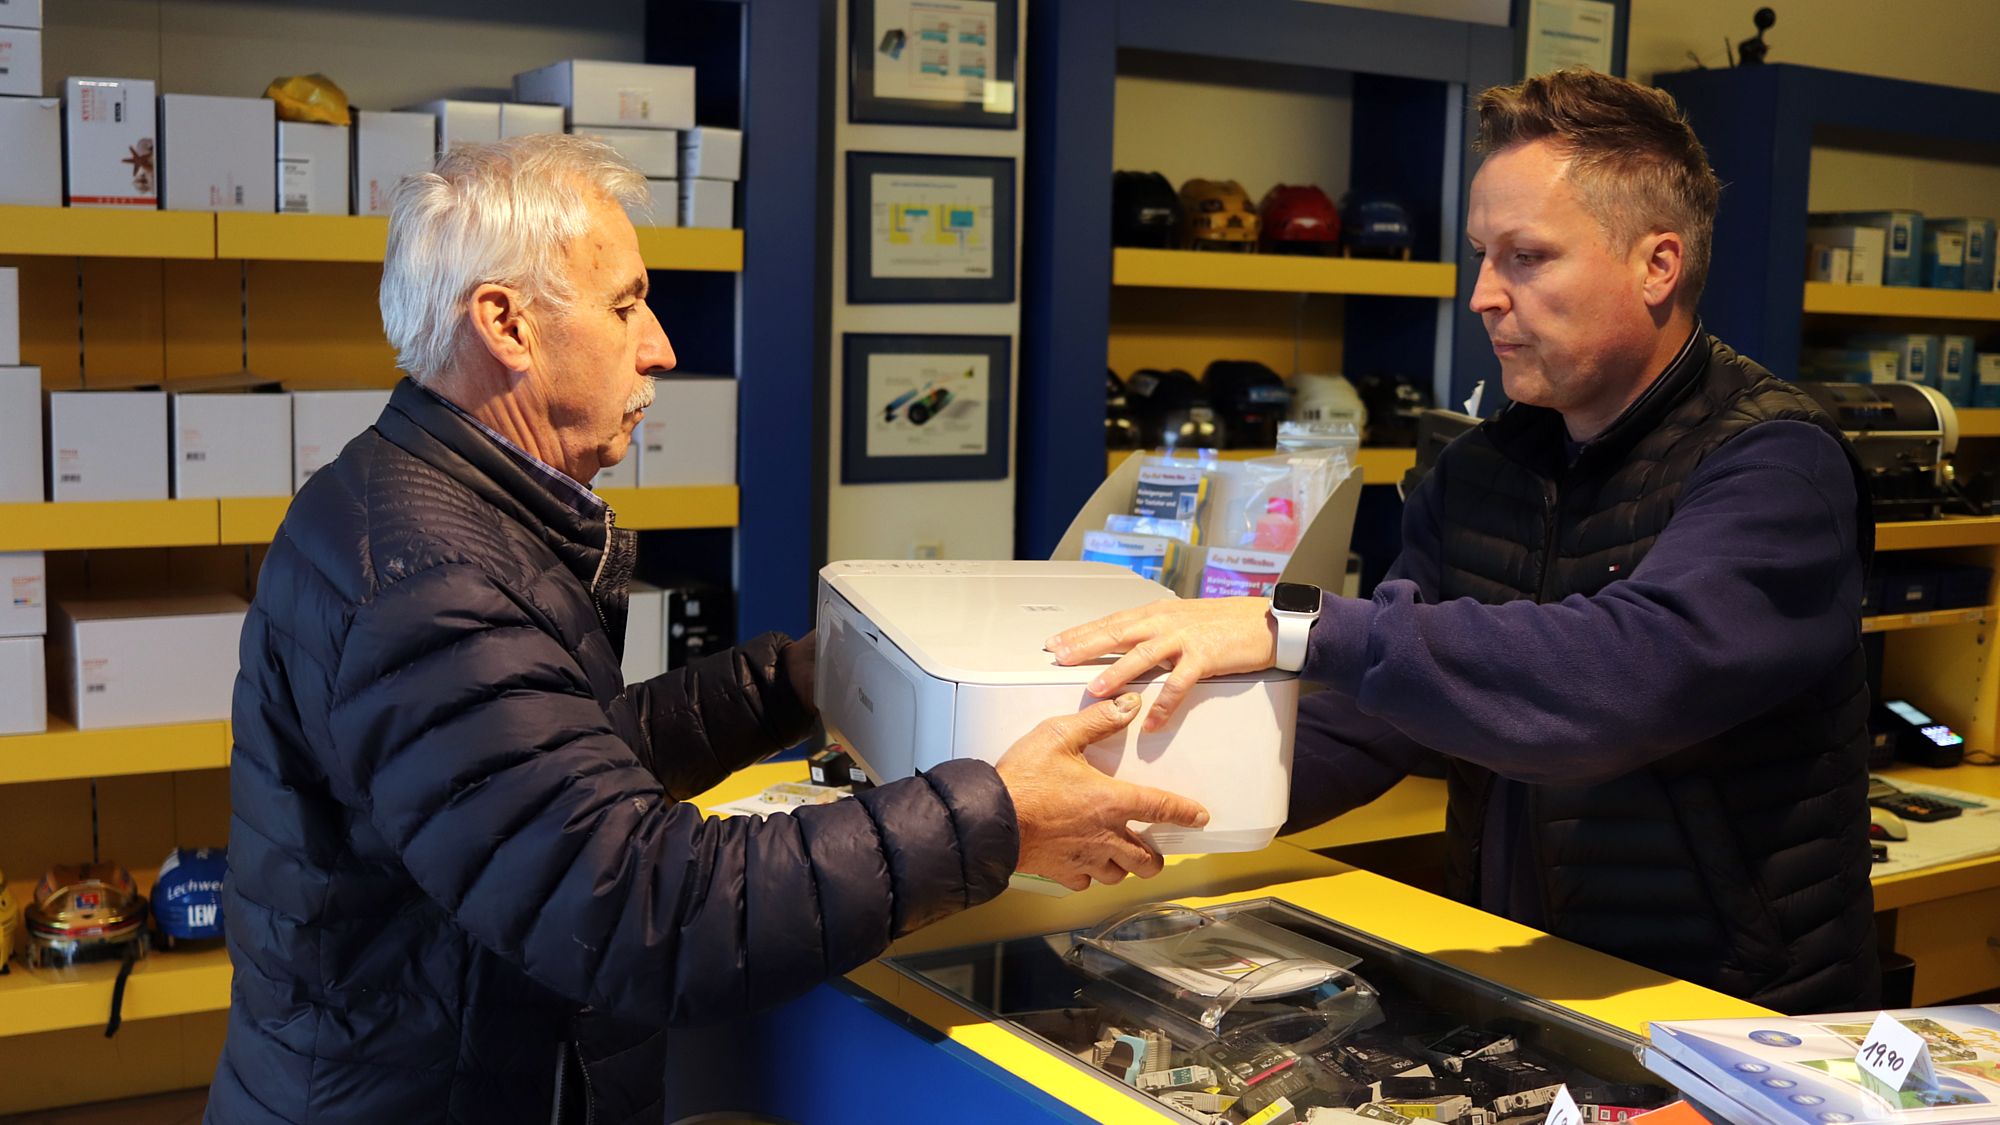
(1740, 863)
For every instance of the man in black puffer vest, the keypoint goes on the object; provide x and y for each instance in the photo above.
(461, 888)
(1625, 623)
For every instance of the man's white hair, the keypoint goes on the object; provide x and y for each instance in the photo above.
(502, 213)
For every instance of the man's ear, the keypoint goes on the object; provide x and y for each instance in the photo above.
(1664, 255)
(500, 328)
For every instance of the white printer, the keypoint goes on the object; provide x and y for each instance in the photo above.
(923, 662)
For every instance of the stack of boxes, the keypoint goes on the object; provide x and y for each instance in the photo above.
(1900, 248)
(23, 608)
(30, 125)
(639, 109)
(711, 163)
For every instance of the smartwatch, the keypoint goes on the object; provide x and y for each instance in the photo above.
(1294, 606)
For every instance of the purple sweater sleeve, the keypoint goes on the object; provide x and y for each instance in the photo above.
(1750, 593)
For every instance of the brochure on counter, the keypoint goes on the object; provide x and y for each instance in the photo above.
(1803, 1069)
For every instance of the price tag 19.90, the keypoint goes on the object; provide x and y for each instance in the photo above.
(1563, 1110)
(1893, 1054)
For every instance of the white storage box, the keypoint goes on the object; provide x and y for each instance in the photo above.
(625, 474)
(109, 143)
(20, 62)
(708, 203)
(645, 636)
(663, 205)
(462, 122)
(387, 147)
(634, 95)
(689, 434)
(20, 13)
(140, 661)
(518, 119)
(1865, 248)
(709, 152)
(652, 151)
(31, 152)
(24, 688)
(216, 154)
(923, 662)
(323, 422)
(232, 445)
(24, 606)
(107, 445)
(10, 316)
(313, 169)
(21, 435)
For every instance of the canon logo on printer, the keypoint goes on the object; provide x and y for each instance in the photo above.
(865, 701)
(1042, 608)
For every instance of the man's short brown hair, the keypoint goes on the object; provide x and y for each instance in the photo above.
(1634, 161)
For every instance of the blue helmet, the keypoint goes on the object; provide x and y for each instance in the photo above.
(187, 897)
(1375, 225)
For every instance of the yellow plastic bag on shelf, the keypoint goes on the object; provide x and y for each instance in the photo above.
(311, 98)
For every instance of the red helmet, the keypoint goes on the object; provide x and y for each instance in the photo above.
(1299, 214)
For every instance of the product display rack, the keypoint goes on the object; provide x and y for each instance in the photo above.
(1378, 466)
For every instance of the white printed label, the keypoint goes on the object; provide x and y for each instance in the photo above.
(1893, 1052)
(294, 185)
(96, 676)
(27, 591)
(193, 449)
(635, 105)
(1563, 1110)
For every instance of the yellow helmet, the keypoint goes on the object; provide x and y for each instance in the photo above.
(1218, 211)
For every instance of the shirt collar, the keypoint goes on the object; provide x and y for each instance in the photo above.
(577, 496)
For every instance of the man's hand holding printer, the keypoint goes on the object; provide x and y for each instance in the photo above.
(1073, 817)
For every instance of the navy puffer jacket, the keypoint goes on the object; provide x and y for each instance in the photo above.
(461, 887)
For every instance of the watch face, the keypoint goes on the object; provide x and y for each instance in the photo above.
(1295, 597)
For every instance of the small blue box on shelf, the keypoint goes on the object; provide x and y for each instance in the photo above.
(1918, 355)
(1979, 250)
(1956, 361)
(1902, 257)
(1986, 384)
(1944, 259)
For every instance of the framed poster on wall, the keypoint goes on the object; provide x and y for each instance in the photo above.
(929, 229)
(932, 62)
(924, 408)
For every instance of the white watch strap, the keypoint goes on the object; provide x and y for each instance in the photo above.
(1292, 633)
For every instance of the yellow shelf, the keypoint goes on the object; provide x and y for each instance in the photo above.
(688, 248)
(1891, 622)
(65, 752)
(1978, 421)
(1955, 531)
(300, 238)
(250, 519)
(1898, 300)
(1378, 466)
(93, 524)
(164, 984)
(662, 509)
(100, 232)
(1282, 273)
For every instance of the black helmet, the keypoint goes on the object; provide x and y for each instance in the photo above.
(1145, 211)
(1251, 398)
(1173, 411)
(1394, 403)
(1121, 427)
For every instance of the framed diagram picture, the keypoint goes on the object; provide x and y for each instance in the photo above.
(923, 408)
(929, 229)
(932, 62)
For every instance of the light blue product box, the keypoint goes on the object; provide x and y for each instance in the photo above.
(1903, 254)
(1920, 354)
(1986, 389)
(1979, 249)
(1851, 365)
(1944, 259)
(1956, 358)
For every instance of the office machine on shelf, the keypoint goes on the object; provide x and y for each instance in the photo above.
(1905, 434)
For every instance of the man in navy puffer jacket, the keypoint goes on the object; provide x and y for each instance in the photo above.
(461, 885)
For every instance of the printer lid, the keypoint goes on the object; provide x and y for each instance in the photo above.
(986, 622)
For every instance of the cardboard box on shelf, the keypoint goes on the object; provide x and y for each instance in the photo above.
(313, 174)
(634, 95)
(710, 152)
(216, 154)
(122, 662)
(462, 122)
(1979, 249)
(323, 422)
(24, 689)
(20, 62)
(20, 13)
(1851, 365)
(652, 151)
(24, 605)
(1864, 250)
(1830, 264)
(1944, 258)
(645, 633)
(387, 147)
(232, 444)
(663, 207)
(1903, 241)
(31, 138)
(689, 435)
(107, 445)
(10, 316)
(109, 143)
(1986, 384)
(1957, 359)
(518, 119)
(21, 436)
(708, 203)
